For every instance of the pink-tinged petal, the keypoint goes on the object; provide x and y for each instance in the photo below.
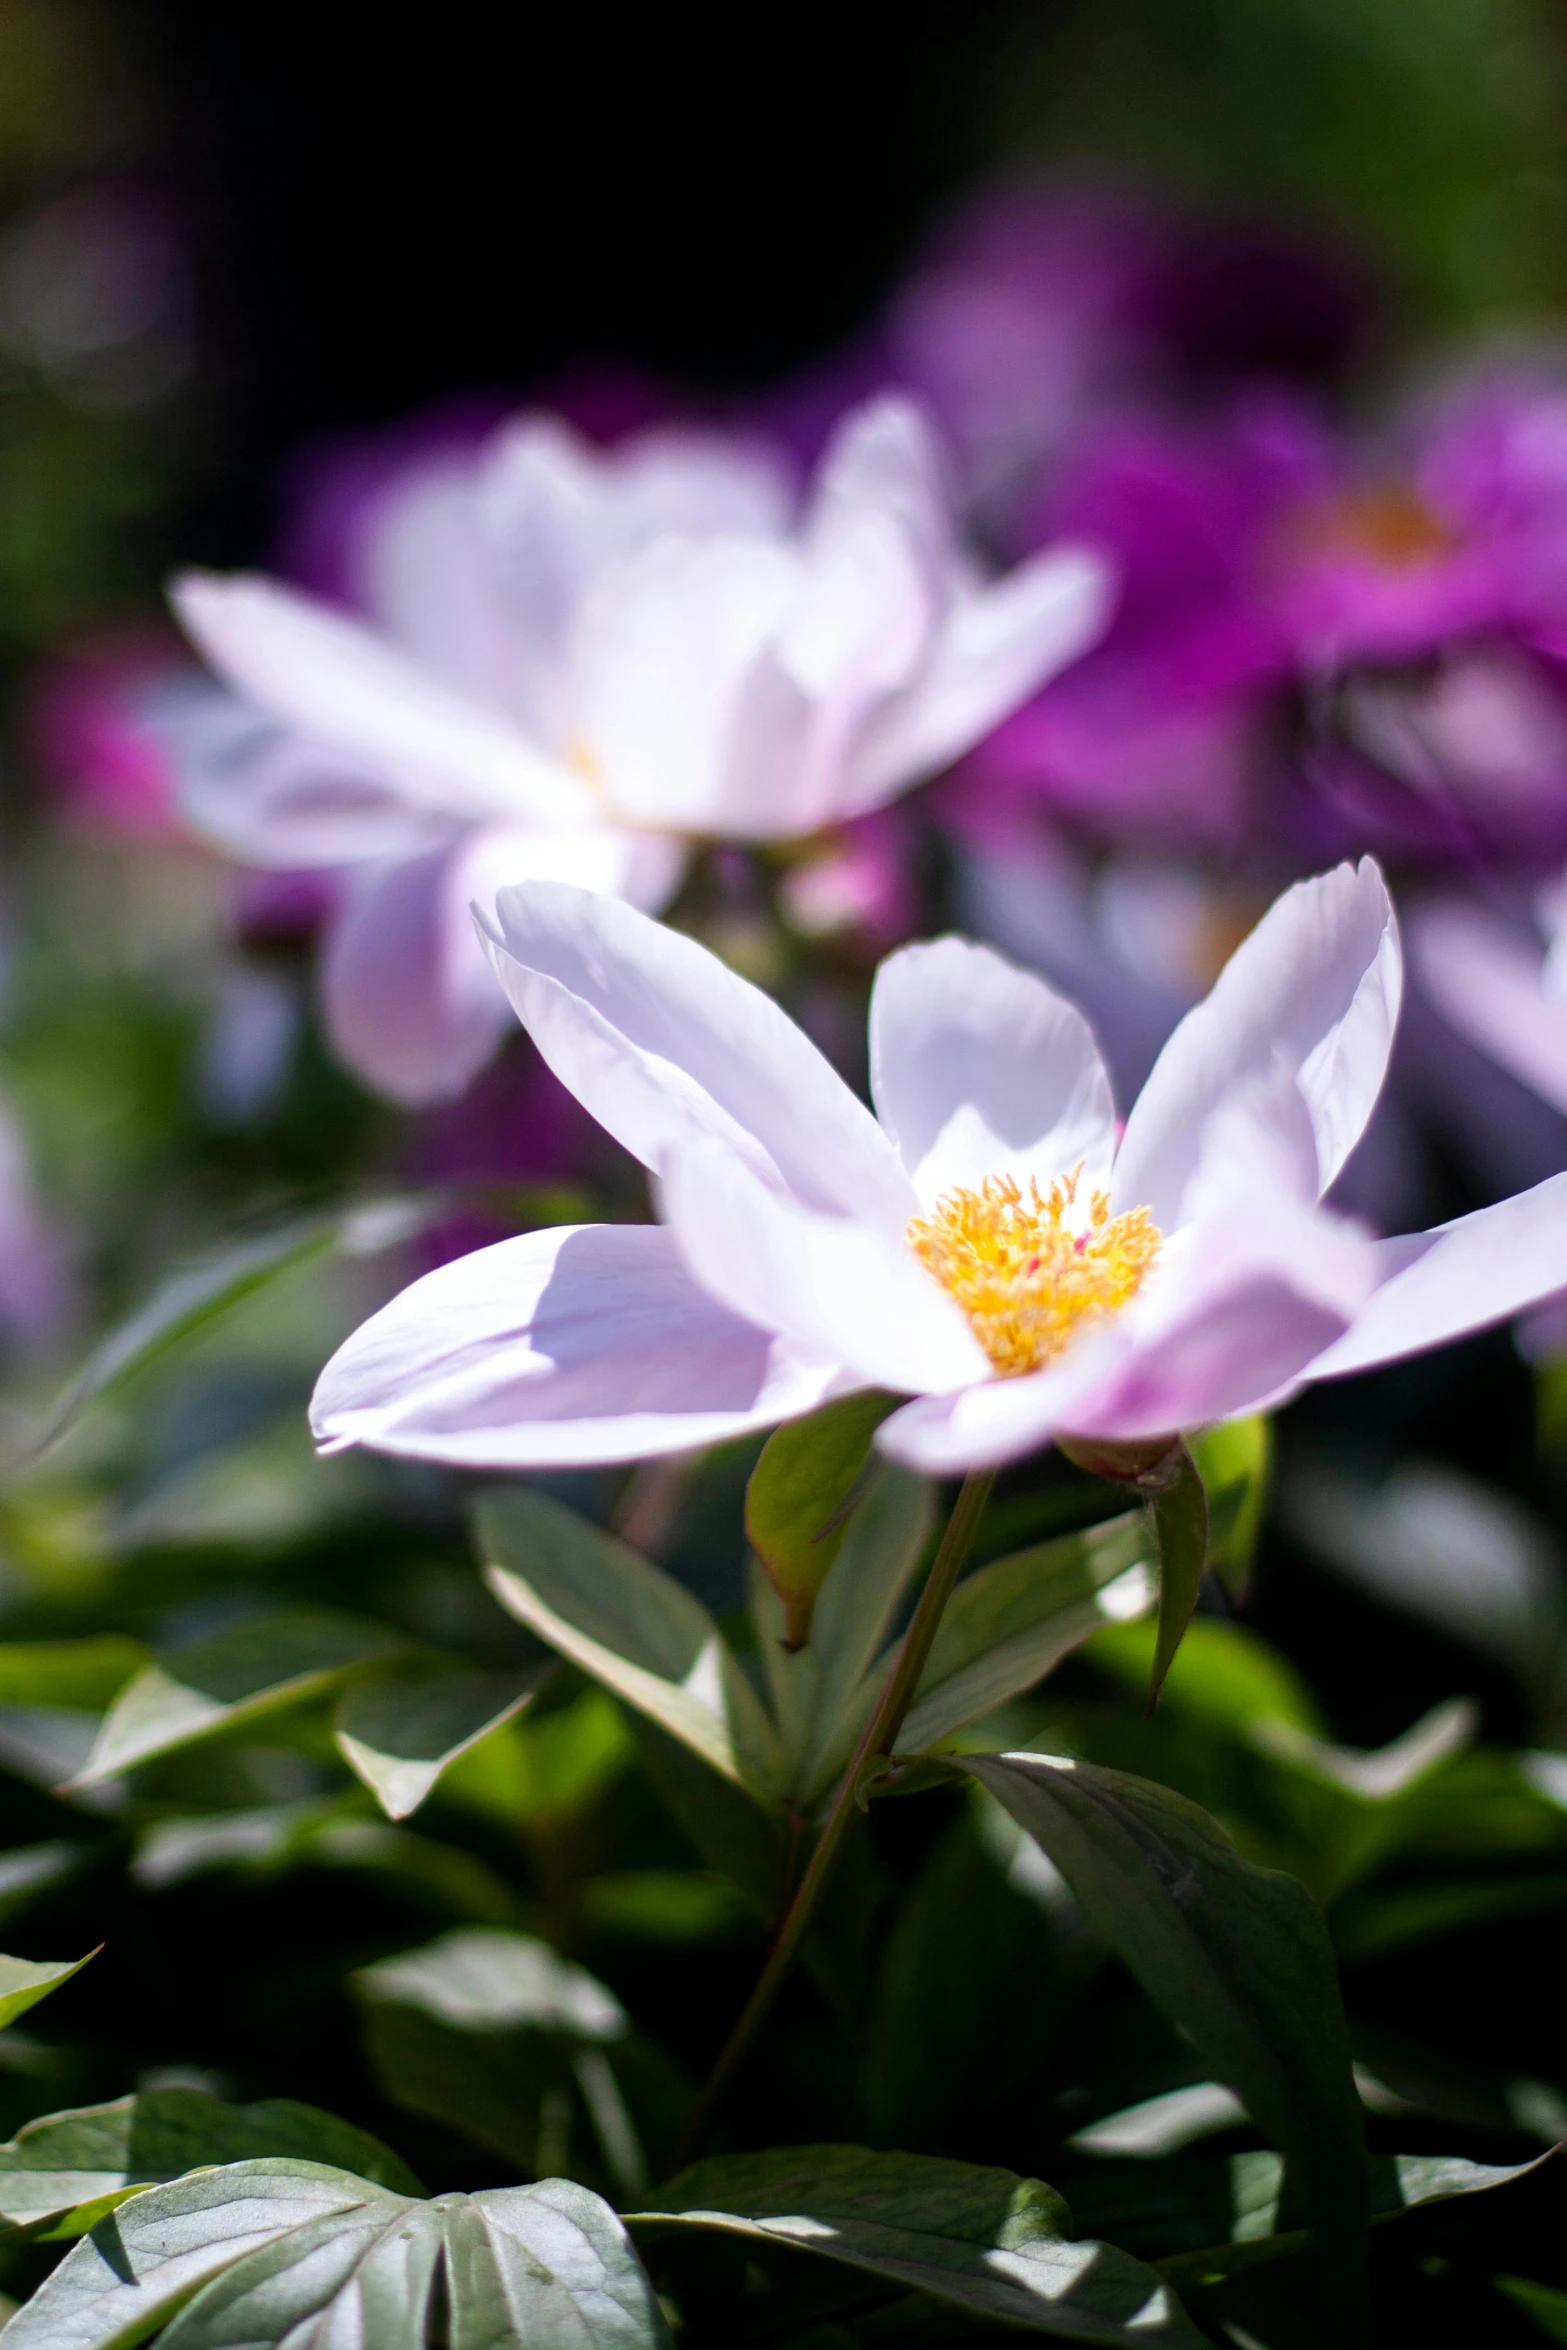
(409, 1001)
(583, 1344)
(272, 797)
(998, 646)
(1314, 990)
(1463, 1276)
(664, 1044)
(410, 995)
(666, 642)
(980, 1069)
(1489, 983)
(839, 1287)
(338, 682)
(1250, 1293)
(993, 1421)
(1256, 1286)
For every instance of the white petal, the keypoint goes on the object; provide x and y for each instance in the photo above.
(666, 641)
(839, 1287)
(346, 687)
(978, 1068)
(1315, 989)
(272, 797)
(428, 579)
(556, 511)
(998, 645)
(1443, 1284)
(410, 1002)
(585, 1343)
(1490, 984)
(663, 1043)
(884, 458)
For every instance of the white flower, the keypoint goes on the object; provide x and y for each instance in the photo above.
(949, 1248)
(577, 662)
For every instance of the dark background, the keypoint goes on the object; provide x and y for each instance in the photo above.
(387, 211)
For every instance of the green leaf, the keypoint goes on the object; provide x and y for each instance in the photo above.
(30, 1869)
(1234, 1462)
(1009, 1623)
(630, 1626)
(1237, 1956)
(536, 1764)
(1545, 2304)
(24, 1981)
(480, 1979)
(797, 1503)
(1224, 1676)
(86, 1674)
(1179, 1511)
(995, 2244)
(61, 2173)
(1400, 2183)
(400, 1732)
(822, 1694)
(663, 1905)
(498, 2036)
(191, 1300)
(228, 1680)
(262, 2252)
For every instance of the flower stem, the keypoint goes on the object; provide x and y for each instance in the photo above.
(878, 1738)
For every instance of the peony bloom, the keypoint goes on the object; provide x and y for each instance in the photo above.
(981, 1245)
(577, 662)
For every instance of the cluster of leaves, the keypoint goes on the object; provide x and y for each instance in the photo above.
(460, 1818)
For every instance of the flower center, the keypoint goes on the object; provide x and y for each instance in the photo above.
(1029, 1267)
(1388, 526)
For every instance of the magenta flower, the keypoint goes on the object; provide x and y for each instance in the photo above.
(983, 1245)
(1315, 644)
(90, 739)
(577, 663)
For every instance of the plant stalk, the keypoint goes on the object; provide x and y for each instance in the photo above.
(878, 1738)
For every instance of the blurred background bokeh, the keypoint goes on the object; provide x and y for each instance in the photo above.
(251, 260)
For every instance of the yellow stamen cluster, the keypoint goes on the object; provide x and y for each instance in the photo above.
(1029, 1268)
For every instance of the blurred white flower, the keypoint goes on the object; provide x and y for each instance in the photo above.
(577, 663)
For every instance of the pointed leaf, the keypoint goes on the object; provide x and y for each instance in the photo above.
(145, 2261)
(1179, 1510)
(480, 1979)
(883, 1544)
(822, 1693)
(797, 1503)
(61, 2173)
(24, 1981)
(401, 1732)
(258, 2254)
(537, 2266)
(201, 1294)
(1234, 1461)
(991, 2242)
(1400, 2183)
(497, 2036)
(630, 1626)
(1238, 1956)
(1009, 1623)
(230, 1679)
